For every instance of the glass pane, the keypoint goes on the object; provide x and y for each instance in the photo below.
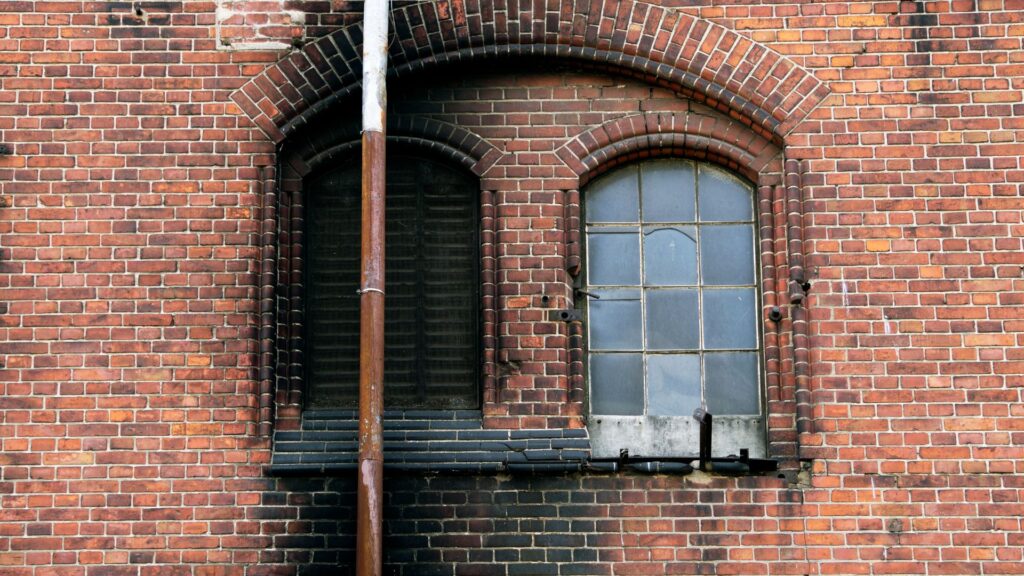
(670, 255)
(616, 384)
(723, 198)
(672, 320)
(730, 383)
(667, 191)
(613, 198)
(727, 254)
(613, 259)
(673, 384)
(729, 320)
(614, 320)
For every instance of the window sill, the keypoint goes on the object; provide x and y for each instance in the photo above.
(426, 441)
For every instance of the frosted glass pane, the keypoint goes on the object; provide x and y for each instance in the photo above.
(667, 191)
(616, 384)
(672, 320)
(615, 320)
(727, 254)
(613, 259)
(670, 256)
(614, 197)
(723, 198)
(729, 320)
(673, 384)
(730, 383)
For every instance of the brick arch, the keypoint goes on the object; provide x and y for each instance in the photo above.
(696, 57)
(716, 139)
(455, 143)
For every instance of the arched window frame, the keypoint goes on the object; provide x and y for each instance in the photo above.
(428, 210)
(283, 303)
(784, 316)
(633, 412)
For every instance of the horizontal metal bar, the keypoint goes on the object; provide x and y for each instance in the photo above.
(754, 464)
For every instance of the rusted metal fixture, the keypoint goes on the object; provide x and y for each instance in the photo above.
(704, 418)
(370, 491)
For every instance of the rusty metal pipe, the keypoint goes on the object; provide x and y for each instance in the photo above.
(370, 490)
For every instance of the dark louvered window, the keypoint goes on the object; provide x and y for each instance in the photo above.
(432, 294)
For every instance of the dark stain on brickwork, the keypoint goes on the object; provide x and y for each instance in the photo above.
(516, 524)
(139, 13)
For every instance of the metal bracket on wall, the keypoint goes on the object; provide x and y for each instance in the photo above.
(704, 418)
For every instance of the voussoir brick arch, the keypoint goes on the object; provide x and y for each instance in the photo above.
(716, 139)
(697, 58)
(341, 141)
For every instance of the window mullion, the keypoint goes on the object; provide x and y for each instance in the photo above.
(643, 291)
(698, 232)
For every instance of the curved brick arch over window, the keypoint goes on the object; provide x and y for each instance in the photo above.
(631, 138)
(723, 141)
(698, 58)
(455, 143)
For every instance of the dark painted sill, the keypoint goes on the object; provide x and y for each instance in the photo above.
(427, 441)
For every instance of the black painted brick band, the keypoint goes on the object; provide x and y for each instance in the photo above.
(427, 441)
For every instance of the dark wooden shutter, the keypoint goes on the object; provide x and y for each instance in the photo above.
(432, 295)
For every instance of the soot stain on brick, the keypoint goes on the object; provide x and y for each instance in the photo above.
(140, 13)
(917, 21)
(917, 16)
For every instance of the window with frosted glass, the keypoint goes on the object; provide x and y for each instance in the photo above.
(672, 279)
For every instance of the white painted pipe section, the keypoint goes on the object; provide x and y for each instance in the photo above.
(375, 56)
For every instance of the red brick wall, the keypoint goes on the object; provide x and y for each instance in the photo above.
(130, 222)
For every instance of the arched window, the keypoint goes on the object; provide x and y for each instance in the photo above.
(432, 270)
(672, 310)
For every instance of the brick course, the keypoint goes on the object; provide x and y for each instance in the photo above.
(138, 212)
